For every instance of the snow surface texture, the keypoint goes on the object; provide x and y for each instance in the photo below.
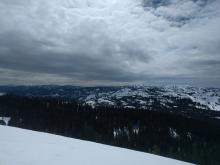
(25, 147)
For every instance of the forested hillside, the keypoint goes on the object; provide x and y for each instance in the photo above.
(190, 137)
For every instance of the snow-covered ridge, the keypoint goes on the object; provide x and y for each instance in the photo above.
(25, 147)
(129, 96)
(203, 98)
(209, 97)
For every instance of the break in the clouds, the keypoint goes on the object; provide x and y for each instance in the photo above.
(91, 42)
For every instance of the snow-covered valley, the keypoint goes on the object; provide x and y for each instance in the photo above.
(25, 147)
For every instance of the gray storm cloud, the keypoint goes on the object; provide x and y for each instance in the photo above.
(109, 41)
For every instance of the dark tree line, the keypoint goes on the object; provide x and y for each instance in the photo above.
(185, 137)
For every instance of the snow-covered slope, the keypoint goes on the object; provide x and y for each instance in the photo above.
(163, 96)
(25, 147)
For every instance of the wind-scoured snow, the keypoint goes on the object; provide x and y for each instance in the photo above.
(25, 147)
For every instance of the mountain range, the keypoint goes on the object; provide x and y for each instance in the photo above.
(136, 96)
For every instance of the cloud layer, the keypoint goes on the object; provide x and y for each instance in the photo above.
(99, 42)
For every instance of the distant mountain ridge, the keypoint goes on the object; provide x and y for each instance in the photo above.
(137, 96)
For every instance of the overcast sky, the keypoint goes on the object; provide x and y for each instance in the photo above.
(110, 42)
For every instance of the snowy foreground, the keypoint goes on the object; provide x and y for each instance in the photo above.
(25, 147)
